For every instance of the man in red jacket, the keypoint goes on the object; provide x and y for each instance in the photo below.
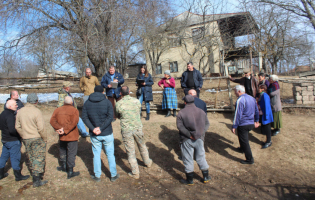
(64, 120)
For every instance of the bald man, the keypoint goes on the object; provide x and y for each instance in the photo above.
(88, 83)
(64, 120)
(198, 102)
(11, 141)
(14, 95)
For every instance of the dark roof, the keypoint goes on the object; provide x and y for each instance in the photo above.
(136, 64)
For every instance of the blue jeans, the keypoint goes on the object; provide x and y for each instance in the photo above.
(108, 142)
(11, 150)
(82, 128)
(147, 103)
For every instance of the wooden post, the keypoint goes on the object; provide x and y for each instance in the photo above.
(250, 60)
(230, 93)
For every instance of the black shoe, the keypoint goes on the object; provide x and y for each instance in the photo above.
(206, 177)
(174, 112)
(72, 174)
(276, 132)
(41, 175)
(19, 176)
(266, 145)
(239, 149)
(113, 179)
(2, 174)
(148, 116)
(247, 162)
(62, 166)
(95, 178)
(189, 180)
(37, 182)
(168, 113)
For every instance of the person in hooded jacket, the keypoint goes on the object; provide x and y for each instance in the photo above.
(144, 92)
(97, 114)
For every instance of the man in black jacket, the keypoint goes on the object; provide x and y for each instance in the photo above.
(191, 79)
(11, 141)
(192, 124)
(14, 95)
(97, 115)
(198, 102)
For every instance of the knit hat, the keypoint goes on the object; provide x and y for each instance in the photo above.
(188, 98)
(99, 88)
(32, 98)
(168, 72)
(67, 84)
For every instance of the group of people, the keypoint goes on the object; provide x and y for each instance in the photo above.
(108, 100)
(258, 101)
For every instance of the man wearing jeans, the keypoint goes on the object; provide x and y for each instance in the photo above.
(11, 141)
(245, 119)
(97, 114)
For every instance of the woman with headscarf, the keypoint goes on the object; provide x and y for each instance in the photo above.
(266, 117)
(169, 101)
(274, 93)
(144, 93)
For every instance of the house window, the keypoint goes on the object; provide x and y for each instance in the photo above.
(158, 69)
(173, 67)
(198, 34)
(174, 42)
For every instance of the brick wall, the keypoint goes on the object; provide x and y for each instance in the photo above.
(304, 93)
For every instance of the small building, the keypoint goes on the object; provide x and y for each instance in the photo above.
(133, 70)
(206, 40)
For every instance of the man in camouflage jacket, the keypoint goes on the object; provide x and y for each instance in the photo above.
(128, 111)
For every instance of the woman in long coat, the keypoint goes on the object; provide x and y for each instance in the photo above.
(169, 94)
(267, 116)
(144, 93)
(274, 93)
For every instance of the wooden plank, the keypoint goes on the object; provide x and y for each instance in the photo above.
(230, 94)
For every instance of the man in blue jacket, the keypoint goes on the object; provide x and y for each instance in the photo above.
(113, 94)
(245, 119)
(97, 114)
(191, 79)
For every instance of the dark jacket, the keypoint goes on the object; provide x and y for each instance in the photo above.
(197, 79)
(98, 112)
(254, 83)
(66, 117)
(7, 126)
(192, 121)
(18, 102)
(107, 79)
(147, 88)
(200, 104)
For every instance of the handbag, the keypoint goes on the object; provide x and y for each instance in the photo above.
(138, 91)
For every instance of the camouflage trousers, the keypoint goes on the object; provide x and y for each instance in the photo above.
(36, 151)
(129, 138)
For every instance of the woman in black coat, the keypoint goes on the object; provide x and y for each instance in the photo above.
(144, 93)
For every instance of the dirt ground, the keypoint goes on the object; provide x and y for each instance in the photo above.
(283, 171)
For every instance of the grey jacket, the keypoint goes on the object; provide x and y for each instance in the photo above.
(275, 101)
(192, 121)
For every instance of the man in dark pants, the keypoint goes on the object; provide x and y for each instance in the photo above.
(192, 124)
(198, 102)
(64, 120)
(245, 119)
(11, 141)
(191, 79)
(113, 94)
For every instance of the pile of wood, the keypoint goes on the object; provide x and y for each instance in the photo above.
(304, 93)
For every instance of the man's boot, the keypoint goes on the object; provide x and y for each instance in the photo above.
(63, 166)
(148, 116)
(174, 112)
(37, 182)
(189, 180)
(19, 176)
(71, 173)
(168, 113)
(2, 174)
(206, 177)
